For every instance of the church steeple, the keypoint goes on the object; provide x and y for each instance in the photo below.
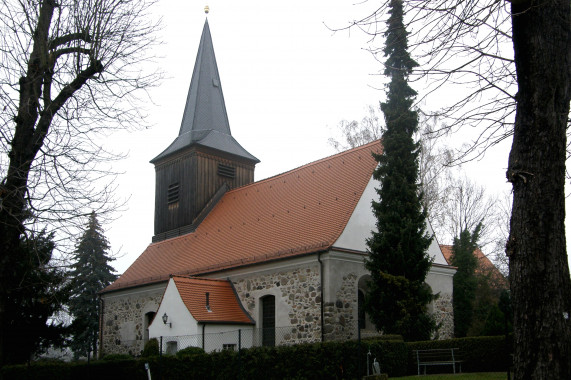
(204, 160)
(205, 121)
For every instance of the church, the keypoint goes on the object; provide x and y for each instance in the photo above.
(229, 253)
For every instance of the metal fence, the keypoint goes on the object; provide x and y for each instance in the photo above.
(238, 339)
(247, 337)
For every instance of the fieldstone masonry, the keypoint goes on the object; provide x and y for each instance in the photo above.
(340, 316)
(299, 289)
(298, 309)
(123, 319)
(444, 315)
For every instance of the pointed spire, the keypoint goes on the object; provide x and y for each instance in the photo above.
(205, 121)
(205, 107)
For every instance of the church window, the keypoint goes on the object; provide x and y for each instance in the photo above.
(229, 346)
(226, 171)
(172, 347)
(268, 320)
(172, 194)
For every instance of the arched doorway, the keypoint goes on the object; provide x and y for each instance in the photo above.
(147, 322)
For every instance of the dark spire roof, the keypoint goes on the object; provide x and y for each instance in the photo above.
(205, 121)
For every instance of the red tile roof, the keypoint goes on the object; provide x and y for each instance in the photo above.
(294, 213)
(223, 303)
(485, 266)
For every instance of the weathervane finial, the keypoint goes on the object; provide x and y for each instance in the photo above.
(206, 9)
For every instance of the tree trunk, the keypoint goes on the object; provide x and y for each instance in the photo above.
(539, 272)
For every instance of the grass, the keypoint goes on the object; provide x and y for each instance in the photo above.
(459, 376)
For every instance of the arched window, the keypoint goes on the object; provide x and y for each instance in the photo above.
(362, 289)
(268, 307)
(148, 319)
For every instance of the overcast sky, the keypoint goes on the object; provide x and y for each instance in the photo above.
(287, 81)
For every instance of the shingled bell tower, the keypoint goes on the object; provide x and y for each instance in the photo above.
(204, 161)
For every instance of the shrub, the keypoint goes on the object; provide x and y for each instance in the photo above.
(151, 348)
(189, 351)
(327, 360)
(112, 357)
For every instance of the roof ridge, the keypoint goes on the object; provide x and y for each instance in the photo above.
(318, 161)
(194, 278)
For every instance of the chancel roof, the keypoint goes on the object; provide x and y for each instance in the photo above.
(485, 266)
(221, 305)
(205, 121)
(299, 212)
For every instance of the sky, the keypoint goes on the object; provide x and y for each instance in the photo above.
(287, 81)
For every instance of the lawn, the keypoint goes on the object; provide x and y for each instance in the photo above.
(459, 376)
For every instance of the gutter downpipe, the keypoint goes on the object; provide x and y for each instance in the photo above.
(321, 280)
(101, 324)
(203, 330)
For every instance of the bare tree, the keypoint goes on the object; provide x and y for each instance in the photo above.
(463, 48)
(509, 68)
(434, 166)
(465, 205)
(502, 232)
(434, 158)
(70, 71)
(355, 133)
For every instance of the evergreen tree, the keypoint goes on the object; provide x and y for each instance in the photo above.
(487, 316)
(39, 292)
(90, 273)
(398, 260)
(465, 280)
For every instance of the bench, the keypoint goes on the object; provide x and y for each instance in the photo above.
(440, 356)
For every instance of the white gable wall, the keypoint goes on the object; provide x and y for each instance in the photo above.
(353, 239)
(183, 323)
(186, 331)
(362, 222)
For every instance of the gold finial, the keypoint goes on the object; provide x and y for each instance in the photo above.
(206, 9)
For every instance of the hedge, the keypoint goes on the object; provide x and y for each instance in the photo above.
(331, 360)
(479, 354)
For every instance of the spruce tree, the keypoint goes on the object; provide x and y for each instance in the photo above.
(465, 280)
(39, 293)
(398, 260)
(90, 273)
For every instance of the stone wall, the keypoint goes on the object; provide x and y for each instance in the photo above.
(444, 315)
(340, 316)
(297, 293)
(124, 319)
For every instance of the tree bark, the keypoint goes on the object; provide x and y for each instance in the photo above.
(32, 126)
(539, 273)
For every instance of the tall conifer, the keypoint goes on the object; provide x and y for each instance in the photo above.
(398, 260)
(90, 273)
(465, 281)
